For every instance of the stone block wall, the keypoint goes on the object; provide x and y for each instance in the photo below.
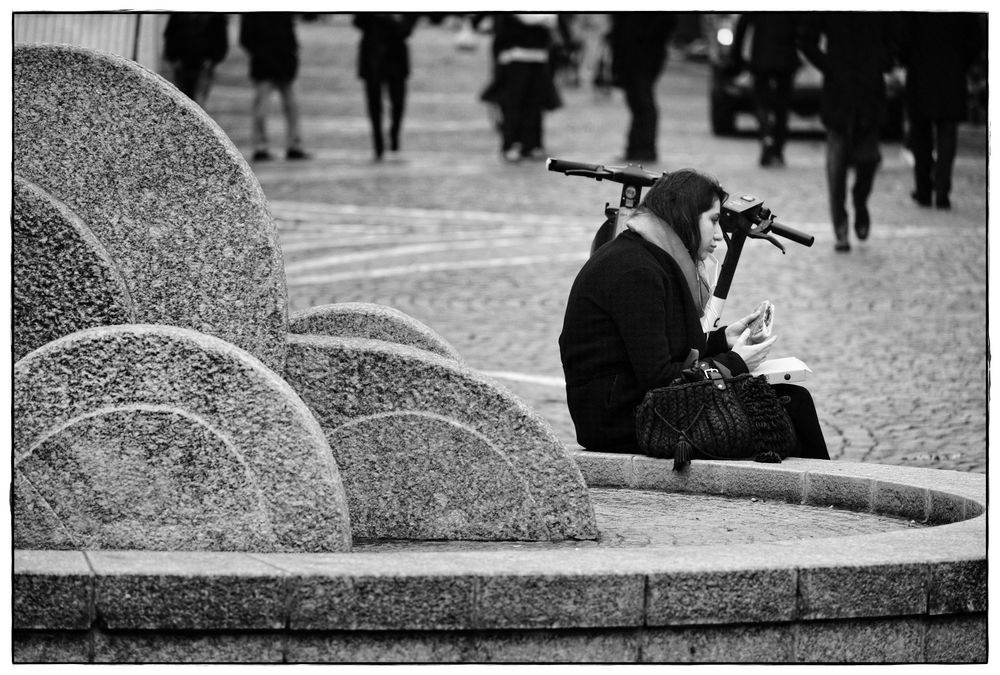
(914, 595)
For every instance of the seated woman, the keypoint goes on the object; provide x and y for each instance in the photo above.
(633, 319)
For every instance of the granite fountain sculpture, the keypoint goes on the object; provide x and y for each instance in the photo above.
(198, 476)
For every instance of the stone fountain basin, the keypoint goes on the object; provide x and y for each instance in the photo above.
(874, 563)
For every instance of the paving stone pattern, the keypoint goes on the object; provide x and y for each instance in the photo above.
(484, 253)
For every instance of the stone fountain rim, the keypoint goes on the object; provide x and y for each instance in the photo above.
(963, 539)
(914, 571)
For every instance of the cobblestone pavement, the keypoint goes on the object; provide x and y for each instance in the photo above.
(484, 252)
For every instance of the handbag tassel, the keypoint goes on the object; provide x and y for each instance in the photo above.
(682, 454)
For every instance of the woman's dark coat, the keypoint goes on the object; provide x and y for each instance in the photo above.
(192, 38)
(630, 325)
(269, 38)
(860, 47)
(938, 49)
(773, 47)
(383, 54)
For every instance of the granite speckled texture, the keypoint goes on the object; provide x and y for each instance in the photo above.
(422, 477)
(372, 321)
(908, 594)
(162, 188)
(343, 380)
(158, 437)
(54, 591)
(198, 590)
(64, 278)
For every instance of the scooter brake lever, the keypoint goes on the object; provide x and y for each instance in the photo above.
(759, 231)
(772, 240)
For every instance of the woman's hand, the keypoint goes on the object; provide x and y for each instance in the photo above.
(735, 330)
(752, 354)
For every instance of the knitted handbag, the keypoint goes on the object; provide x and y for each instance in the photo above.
(718, 418)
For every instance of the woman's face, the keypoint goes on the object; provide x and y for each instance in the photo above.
(711, 233)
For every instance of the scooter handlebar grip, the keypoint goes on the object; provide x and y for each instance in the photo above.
(792, 234)
(563, 165)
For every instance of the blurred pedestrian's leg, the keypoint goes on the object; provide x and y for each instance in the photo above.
(641, 143)
(866, 156)
(771, 94)
(373, 98)
(194, 42)
(397, 103)
(293, 131)
(763, 107)
(780, 101)
(261, 99)
(946, 138)
(531, 133)
(513, 107)
(864, 178)
(921, 139)
(836, 182)
(202, 84)
(185, 78)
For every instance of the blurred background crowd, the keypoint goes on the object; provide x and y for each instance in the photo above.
(867, 75)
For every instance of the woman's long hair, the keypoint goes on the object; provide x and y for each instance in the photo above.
(679, 198)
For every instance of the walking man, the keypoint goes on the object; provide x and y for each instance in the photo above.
(638, 54)
(859, 51)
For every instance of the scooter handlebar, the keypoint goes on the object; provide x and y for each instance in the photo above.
(791, 233)
(564, 165)
(627, 175)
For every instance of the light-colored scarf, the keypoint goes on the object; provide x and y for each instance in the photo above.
(657, 232)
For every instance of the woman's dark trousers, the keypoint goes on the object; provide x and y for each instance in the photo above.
(772, 91)
(933, 144)
(810, 443)
(858, 148)
(522, 98)
(396, 88)
(641, 99)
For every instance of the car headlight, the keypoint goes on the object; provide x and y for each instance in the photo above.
(724, 36)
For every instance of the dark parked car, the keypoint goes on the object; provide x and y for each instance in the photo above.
(731, 93)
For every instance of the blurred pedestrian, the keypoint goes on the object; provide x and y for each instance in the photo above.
(269, 39)
(639, 52)
(384, 64)
(938, 48)
(859, 52)
(193, 45)
(523, 84)
(567, 51)
(773, 60)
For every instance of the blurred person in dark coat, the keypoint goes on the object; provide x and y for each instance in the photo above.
(523, 85)
(384, 64)
(859, 53)
(193, 45)
(638, 43)
(938, 48)
(773, 60)
(269, 39)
